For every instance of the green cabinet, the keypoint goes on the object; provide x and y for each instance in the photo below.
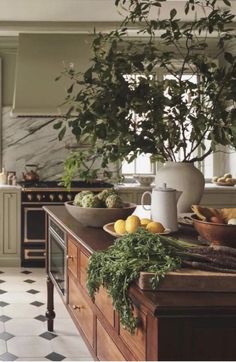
(9, 226)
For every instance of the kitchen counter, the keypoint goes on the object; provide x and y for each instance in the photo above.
(10, 187)
(213, 196)
(209, 187)
(136, 185)
(190, 321)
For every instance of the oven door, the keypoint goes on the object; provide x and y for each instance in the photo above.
(57, 262)
(34, 224)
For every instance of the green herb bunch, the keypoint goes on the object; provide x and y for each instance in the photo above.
(118, 266)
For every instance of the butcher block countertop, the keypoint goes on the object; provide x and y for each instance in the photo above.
(191, 280)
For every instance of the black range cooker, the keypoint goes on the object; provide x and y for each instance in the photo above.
(34, 195)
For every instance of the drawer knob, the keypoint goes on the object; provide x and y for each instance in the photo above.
(70, 257)
(75, 306)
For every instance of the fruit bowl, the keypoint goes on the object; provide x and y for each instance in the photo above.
(215, 233)
(97, 217)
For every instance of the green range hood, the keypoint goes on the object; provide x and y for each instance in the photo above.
(40, 59)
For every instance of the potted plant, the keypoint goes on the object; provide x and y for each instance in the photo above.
(169, 92)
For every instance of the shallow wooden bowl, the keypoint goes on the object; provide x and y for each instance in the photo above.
(144, 180)
(97, 217)
(217, 234)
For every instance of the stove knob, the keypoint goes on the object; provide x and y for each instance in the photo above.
(29, 197)
(51, 197)
(39, 197)
(69, 197)
(60, 197)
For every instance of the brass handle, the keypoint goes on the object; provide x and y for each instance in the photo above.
(69, 257)
(74, 306)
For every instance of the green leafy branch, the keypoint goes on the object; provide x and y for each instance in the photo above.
(162, 117)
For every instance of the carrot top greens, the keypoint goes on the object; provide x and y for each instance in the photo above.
(118, 266)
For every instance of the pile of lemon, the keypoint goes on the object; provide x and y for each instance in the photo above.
(133, 222)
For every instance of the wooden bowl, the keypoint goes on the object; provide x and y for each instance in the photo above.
(216, 234)
(109, 228)
(97, 217)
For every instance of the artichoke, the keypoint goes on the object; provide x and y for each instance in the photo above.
(113, 201)
(105, 193)
(78, 197)
(91, 200)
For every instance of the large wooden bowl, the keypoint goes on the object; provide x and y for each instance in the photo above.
(217, 234)
(97, 217)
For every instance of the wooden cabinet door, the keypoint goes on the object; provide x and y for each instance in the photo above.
(104, 303)
(84, 260)
(10, 223)
(81, 310)
(106, 348)
(72, 256)
(136, 342)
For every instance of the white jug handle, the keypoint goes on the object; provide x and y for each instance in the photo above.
(142, 200)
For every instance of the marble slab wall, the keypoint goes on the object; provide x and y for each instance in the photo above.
(32, 140)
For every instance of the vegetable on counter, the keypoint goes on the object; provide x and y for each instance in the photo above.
(120, 265)
(107, 198)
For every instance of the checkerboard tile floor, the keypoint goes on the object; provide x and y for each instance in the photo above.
(23, 326)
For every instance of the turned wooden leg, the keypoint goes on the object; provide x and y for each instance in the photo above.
(50, 314)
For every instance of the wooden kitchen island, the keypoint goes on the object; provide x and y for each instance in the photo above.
(196, 322)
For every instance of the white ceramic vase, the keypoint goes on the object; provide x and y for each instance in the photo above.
(185, 177)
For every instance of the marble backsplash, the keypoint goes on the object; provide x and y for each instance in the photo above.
(32, 140)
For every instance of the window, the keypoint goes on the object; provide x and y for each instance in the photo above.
(142, 164)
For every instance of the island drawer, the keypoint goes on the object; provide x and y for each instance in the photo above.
(102, 300)
(81, 310)
(104, 303)
(72, 256)
(83, 261)
(106, 348)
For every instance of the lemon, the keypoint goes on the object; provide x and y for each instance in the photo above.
(133, 217)
(155, 227)
(119, 226)
(145, 221)
(132, 223)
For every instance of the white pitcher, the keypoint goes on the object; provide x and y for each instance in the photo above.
(163, 206)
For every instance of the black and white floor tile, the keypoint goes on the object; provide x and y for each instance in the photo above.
(23, 326)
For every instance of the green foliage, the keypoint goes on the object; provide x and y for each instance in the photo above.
(105, 101)
(83, 161)
(120, 265)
